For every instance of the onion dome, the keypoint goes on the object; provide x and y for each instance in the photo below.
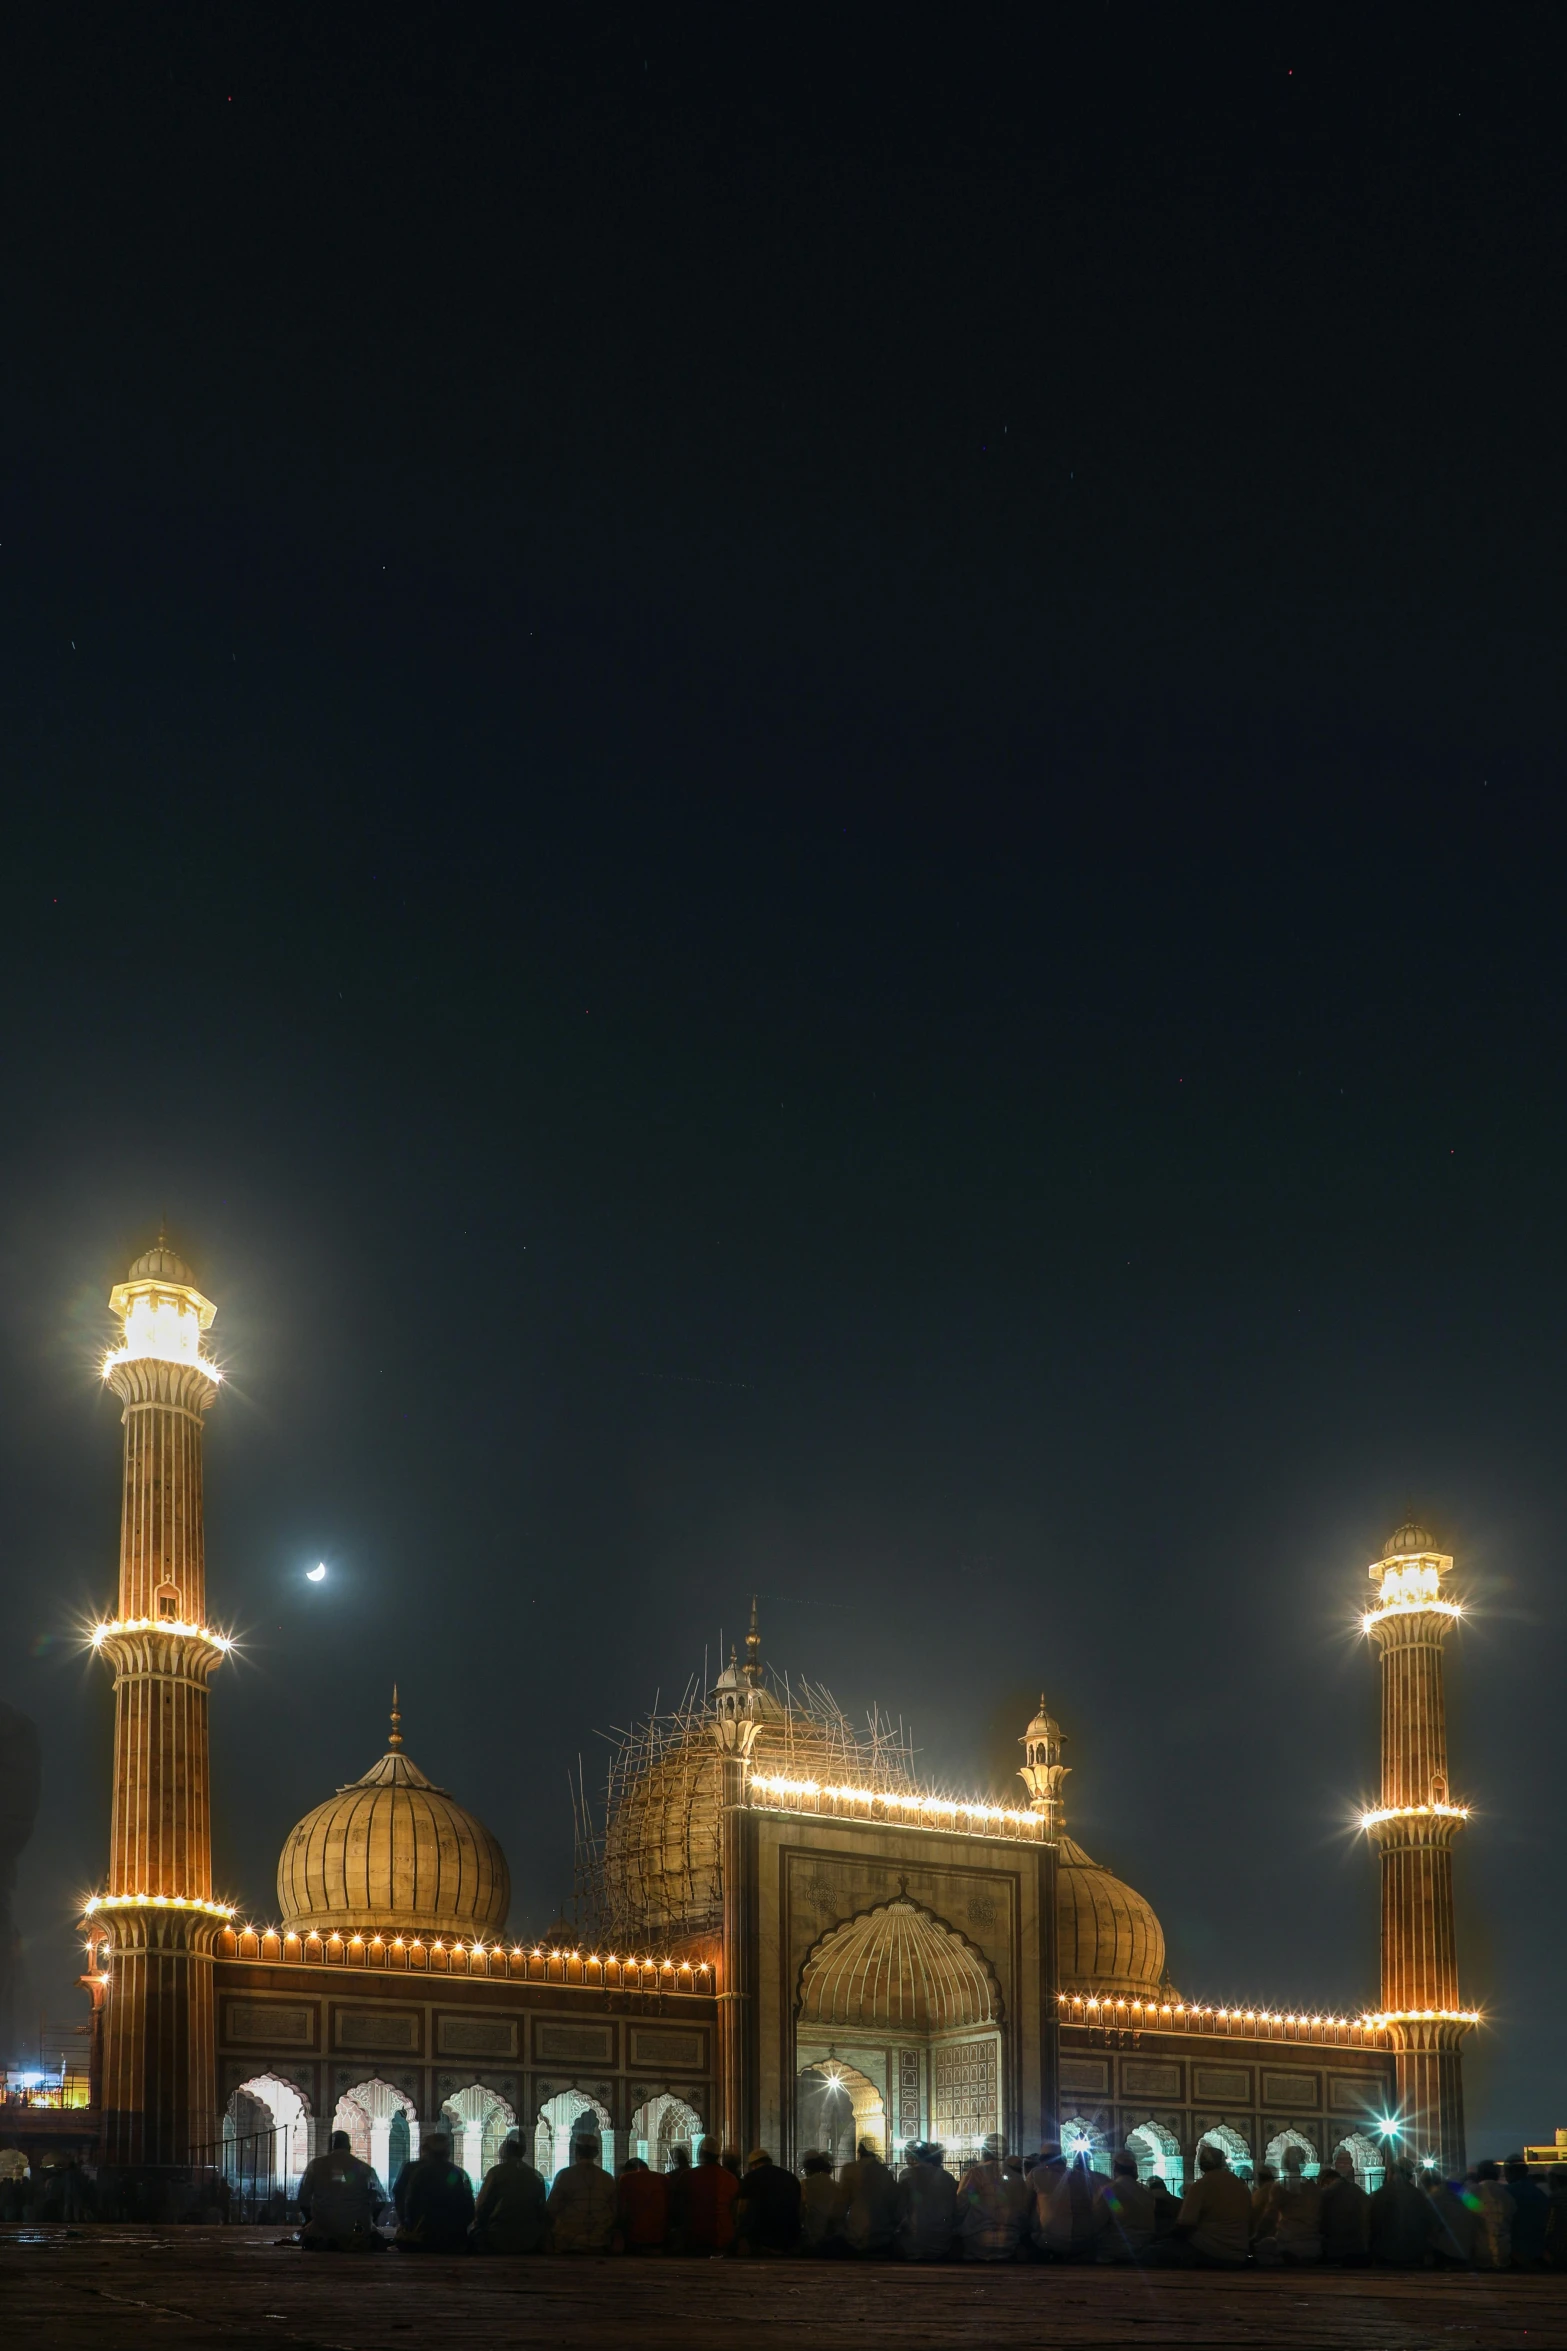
(1044, 1726)
(160, 1263)
(1406, 1540)
(1110, 1940)
(394, 1853)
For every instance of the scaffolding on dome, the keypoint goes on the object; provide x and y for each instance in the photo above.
(650, 1861)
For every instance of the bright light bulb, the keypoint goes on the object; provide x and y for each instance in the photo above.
(316, 1574)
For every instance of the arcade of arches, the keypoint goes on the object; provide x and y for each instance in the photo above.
(1158, 2151)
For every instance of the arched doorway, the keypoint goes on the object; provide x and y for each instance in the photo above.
(1311, 2162)
(480, 2120)
(557, 2124)
(836, 2106)
(1158, 2153)
(1232, 2146)
(906, 2002)
(660, 2126)
(1368, 2158)
(1081, 2143)
(266, 2136)
(368, 2113)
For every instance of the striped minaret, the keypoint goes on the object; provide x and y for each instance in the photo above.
(1414, 1824)
(157, 1917)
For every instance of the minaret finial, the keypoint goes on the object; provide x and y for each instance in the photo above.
(396, 1738)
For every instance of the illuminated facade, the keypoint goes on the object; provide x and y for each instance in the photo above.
(790, 1941)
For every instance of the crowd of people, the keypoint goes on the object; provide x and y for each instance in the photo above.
(1002, 2207)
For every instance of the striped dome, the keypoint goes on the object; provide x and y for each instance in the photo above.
(1110, 1940)
(392, 1852)
(897, 1969)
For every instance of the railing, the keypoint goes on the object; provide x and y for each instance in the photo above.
(413, 1955)
(1235, 2024)
(254, 2172)
(58, 2096)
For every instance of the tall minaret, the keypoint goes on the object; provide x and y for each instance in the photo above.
(1414, 1825)
(158, 1917)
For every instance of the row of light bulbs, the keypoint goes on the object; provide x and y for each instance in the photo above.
(1370, 1820)
(159, 1624)
(475, 1949)
(776, 1784)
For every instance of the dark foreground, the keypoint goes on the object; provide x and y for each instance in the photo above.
(130, 2288)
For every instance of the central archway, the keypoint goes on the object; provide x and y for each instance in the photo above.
(906, 2002)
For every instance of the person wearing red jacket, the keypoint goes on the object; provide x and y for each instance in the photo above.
(710, 2204)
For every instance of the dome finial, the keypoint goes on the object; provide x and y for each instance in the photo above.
(753, 1651)
(396, 1739)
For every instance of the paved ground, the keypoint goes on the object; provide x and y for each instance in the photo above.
(126, 2289)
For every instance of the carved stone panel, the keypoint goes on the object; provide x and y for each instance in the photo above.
(378, 2028)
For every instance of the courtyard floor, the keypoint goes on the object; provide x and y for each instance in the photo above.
(122, 2289)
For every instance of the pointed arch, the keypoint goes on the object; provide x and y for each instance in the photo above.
(480, 2119)
(556, 2125)
(367, 2112)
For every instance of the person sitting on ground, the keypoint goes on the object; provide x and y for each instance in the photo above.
(1063, 2225)
(341, 2200)
(434, 2201)
(1166, 2208)
(1345, 2218)
(1296, 2206)
(823, 2204)
(1556, 2226)
(870, 2221)
(644, 2207)
(677, 2194)
(1262, 2202)
(1531, 2215)
(1402, 2223)
(509, 2215)
(994, 2206)
(1492, 2204)
(927, 2206)
(1453, 2237)
(14, 2186)
(1214, 2229)
(1123, 2214)
(710, 2207)
(583, 2207)
(767, 2211)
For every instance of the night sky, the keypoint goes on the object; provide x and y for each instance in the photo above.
(797, 781)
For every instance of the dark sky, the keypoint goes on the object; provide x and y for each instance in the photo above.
(797, 778)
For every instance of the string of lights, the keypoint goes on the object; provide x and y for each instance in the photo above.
(159, 1624)
(336, 1949)
(91, 1908)
(890, 1800)
(1371, 1820)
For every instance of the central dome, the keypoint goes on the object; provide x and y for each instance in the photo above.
(660, 1869)
(393, 1852)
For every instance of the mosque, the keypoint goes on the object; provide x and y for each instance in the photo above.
(792, 1942)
